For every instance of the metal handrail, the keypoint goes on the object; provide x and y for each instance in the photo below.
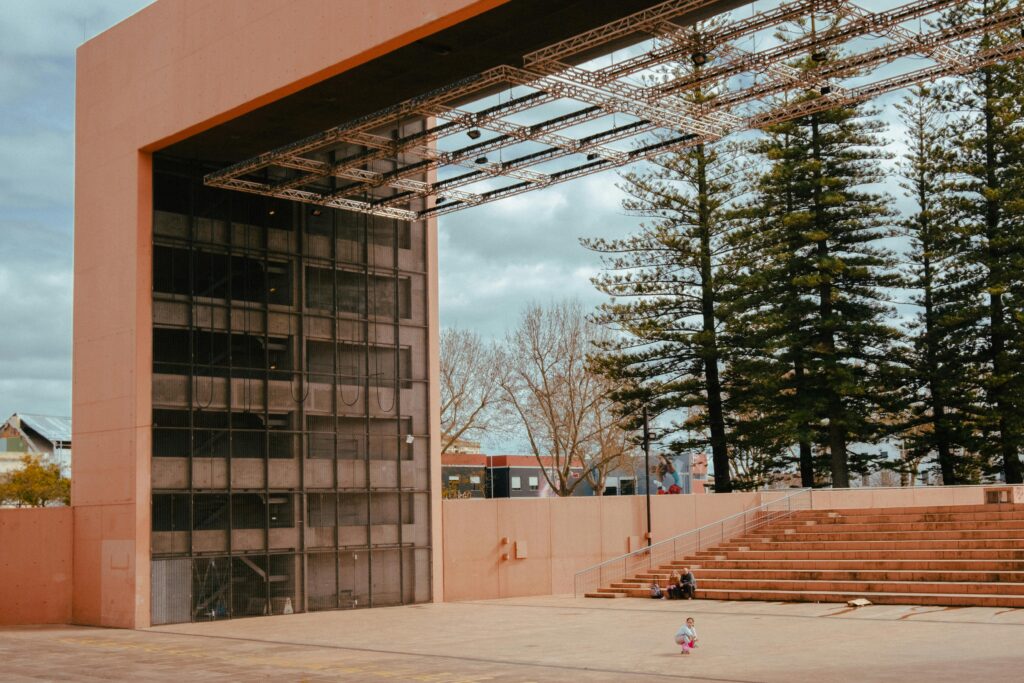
(624, 564)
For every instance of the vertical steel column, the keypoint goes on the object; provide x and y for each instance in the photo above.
(266, 419)
(298, 360)
(190, 496)
(398, 394)
(366, 405)
(229, 223)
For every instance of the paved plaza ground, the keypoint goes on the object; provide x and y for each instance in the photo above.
(542, 639)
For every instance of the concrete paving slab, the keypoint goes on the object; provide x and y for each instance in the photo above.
(542, 639)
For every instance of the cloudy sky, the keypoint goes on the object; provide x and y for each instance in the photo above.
(37, 119)
(493, 258)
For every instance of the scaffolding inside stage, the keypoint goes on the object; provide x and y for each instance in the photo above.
(587, 104)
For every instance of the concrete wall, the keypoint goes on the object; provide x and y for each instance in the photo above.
(547, 540)
(170, 71)
(912, 496)
(561, 536)
(557, 536)
(35, 565)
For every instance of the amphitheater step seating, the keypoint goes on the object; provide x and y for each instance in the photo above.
(965, 555)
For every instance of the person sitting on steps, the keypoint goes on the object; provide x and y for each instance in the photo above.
(674, 590)
(688, 584)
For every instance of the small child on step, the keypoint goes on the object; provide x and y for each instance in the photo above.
(686, 636)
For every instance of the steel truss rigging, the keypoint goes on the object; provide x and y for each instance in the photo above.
(672, 89)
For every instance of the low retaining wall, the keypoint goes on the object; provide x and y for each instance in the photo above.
(35, 565)
(911, 496)
(502, 548)
(491, 548)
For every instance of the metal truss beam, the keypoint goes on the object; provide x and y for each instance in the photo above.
(386, 173)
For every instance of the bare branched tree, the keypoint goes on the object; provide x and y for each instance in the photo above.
(471, 378)
(562, 406)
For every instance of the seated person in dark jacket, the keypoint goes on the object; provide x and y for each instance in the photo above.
(688, 583)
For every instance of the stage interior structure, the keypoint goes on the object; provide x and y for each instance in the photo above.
(291, 430)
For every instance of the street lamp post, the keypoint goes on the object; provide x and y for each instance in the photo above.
(647, 472)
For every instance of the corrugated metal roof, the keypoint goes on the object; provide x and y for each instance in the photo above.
(51, 428)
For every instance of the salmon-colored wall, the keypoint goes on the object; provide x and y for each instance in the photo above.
(35, 565)
(174, 69)
(566, 535)
(561, 537)
(912, 496)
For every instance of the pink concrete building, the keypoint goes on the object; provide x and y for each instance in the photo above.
(256, 426)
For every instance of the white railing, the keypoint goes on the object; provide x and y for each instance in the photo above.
(689, 543)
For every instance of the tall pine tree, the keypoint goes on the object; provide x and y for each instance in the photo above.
(665, 283)
(939, 413)
(986, 205)
(819, 276)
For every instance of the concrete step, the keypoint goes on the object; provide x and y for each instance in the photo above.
(976, 507)
(1016, 535)
(951, 599)
(795, 527)
(933, 575)
(909, 544)
(860, 563)
(910, 517)
(864, 587)
(905, 554)
(913, 509)
(940, 555)
(604, 595)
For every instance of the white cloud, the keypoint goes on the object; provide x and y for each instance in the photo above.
(37, 80)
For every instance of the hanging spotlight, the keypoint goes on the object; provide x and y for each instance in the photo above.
(481, 160)
(316, 212)
(442, 200)
(819, 56)
(592, 157)
(825, 89)
(271, 212)
(473, 133)
(699, 58)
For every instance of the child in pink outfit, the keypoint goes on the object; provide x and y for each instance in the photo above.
(686, 636)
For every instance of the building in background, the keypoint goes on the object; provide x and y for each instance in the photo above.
(465, 475)
(476, 475)
(43, 435)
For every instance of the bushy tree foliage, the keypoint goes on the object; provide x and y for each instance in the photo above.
(35, 484)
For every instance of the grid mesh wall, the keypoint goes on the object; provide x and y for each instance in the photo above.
(290, 434)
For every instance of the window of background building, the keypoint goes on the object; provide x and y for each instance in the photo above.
(474, 480)
(453, 477)
(533, 483)
(517, 483)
